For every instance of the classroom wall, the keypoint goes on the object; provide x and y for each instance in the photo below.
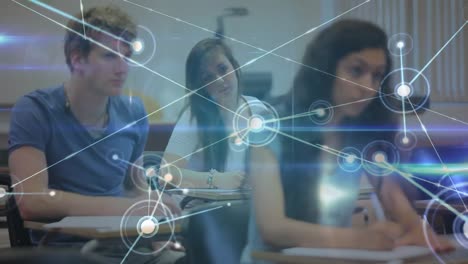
(38, 56)
(32, 56)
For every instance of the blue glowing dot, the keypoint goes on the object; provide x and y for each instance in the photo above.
(3, 39)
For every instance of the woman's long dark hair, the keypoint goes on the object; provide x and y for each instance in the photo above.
(299, 161)
(211, 127)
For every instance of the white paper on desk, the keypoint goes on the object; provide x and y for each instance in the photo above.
(400, 253)
(210, 190)
(100, 223)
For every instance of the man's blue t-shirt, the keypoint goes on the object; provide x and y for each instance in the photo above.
(77, 161)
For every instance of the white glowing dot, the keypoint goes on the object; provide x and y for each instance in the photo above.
(404, 90)
(2, 192)
(177, 245)
(228, 204)
(400, 44)
(350, 158)
(147, 227)
(238, 141)
(137, 46)
(52, 193)
(115, 157)
(185, 191)
(150, 172)
(256, 123)
(320, 112)
(405, 140)
(168, 177)
(379, 157)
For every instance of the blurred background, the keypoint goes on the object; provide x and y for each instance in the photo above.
(31, 48)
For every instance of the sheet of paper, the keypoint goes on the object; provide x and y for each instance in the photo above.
(95, 222)
(206, 190)
(399, 253)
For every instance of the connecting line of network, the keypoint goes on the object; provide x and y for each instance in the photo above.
(136, 63)
(404, 90)
(154, 172)
(147, 221)
(192, 24)
(68, 16)
(437, 153)
(382, 163)
(270, 52)
(136, 46)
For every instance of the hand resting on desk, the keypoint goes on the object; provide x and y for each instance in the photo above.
(415, 236)
(389, 235)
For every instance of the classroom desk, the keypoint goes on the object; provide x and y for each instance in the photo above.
(4, 170)
(211, 195)
(460, 256)
(215, 195)
(438, 215)
(421, 206)
(280, 258)
(92, 233)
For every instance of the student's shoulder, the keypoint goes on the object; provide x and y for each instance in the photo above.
(256, 105)
(41, 99)
(129, 105)
(251, 99)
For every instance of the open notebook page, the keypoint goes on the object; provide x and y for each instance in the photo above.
(400, 253)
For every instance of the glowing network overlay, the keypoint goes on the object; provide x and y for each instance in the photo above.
(403, 91)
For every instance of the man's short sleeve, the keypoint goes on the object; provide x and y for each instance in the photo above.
(29, 125)
(142, 127)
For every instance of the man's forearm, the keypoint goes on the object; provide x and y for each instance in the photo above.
(70, 204)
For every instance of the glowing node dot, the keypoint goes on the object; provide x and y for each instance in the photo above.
(115, 157)
(350, 158)
(320, 112)
(137, 46)
(52, 193)
(400, 44)
(404, 90)
(185, 191)
(2, 192)
(405, 140)
(256, 123)
(150, 172)
(379, 157)
(147, 227)
(228, 204)
(168, 177)
(177, 245)
(238, 141)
